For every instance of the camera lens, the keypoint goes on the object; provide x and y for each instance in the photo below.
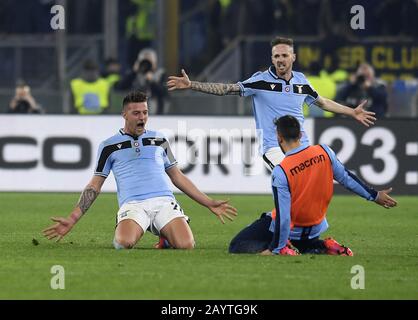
(145, 66)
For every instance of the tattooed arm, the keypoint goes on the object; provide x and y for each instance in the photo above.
(63, 225)
(87, 197)
(220, 89)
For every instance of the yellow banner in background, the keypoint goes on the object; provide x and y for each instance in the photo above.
(390, 60)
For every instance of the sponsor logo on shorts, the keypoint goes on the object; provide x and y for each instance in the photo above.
(123, 214)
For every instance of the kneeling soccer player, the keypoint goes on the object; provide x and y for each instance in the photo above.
(302, 190)
(142, 163)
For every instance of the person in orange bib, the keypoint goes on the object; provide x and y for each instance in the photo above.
(302, 190)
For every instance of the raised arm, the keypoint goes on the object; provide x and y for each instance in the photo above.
(220, 208)
(63, 225)
(219, 89)
(365, 117)
(351, 182)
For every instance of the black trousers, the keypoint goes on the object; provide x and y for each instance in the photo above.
(257, 237)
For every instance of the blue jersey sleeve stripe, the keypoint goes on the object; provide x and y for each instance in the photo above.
(276, 236)
(171, 165)
(100, 174)
(339, 169)
(371, 191)
(108, 150)
(287, 180)
(168, 152)
(264, 85)
(305, 89)
(241, 87)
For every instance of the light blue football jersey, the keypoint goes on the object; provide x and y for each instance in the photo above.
(274, 97)
(139, 165)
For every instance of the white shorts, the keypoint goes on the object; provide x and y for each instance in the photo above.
(151, 214)
(273, 157)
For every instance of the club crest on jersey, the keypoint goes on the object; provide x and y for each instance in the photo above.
(300, 88)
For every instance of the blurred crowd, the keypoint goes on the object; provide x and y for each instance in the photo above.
(224, 20)
(228, 17)
(91, 91)
(350, 89)
(205, 29)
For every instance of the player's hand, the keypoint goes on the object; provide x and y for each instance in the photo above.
(59, 229)
(365, 117)
(222, 209)
(182, 82)
(385, 200)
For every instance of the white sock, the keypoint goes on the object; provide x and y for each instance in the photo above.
(117, 245)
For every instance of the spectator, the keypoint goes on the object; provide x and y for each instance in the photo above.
(148, 78)
(322, 81)
(112, 71)
(363, 85)
(90, 93)
(140, 26)
(23, 101)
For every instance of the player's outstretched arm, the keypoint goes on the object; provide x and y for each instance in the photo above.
(365, 117)
(383, 199)
(63, 225)
(353, 183)
(220, 208)
(219, 89)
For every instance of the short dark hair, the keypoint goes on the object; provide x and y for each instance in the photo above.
(281, 40)
(288, 127)
(90, 65)
(134, 97)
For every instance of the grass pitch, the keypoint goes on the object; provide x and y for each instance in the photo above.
(384, 243)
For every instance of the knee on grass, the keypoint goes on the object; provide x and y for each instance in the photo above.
(187, 244)
(237, 246)
(123, 244)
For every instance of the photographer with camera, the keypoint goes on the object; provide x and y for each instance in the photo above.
(148, 78)
(364, 86)
(23, 101)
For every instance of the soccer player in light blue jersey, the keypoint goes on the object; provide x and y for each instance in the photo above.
(302, 187)
(143, 165)
(276, 92)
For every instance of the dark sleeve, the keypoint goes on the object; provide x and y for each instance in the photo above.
(379, 98)
(343, 92)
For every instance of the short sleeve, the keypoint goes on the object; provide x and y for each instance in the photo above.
(103, 162)
(246, 89)
(311, 94)
(168, 156)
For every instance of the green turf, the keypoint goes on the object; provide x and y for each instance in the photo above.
(384, 242)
